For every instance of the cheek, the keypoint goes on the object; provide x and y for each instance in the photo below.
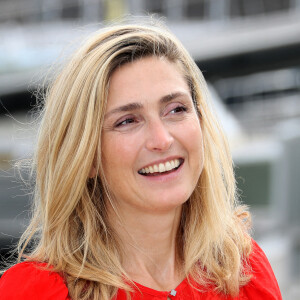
(194, 133)
(119, 151)
(195, 144)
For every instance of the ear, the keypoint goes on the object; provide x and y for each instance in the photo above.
(93, 172)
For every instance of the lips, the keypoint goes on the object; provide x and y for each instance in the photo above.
(161, 168)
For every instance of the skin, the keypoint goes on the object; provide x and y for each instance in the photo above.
(150, 118)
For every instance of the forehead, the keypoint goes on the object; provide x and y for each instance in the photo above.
(145, 79)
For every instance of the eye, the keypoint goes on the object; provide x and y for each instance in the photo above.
(125, 122)
(178, 109)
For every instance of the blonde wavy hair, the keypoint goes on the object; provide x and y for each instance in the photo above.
(69, 229)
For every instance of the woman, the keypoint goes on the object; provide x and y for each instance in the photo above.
(135, 192)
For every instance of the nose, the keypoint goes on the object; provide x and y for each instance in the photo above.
(158, 137)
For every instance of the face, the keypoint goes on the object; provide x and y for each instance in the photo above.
(152, 152)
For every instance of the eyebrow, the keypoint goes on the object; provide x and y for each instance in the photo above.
(138, 106)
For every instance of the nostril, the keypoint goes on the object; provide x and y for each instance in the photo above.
(159, 140)
(158, 133)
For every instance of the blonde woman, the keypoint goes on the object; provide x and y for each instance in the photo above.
(135, 193)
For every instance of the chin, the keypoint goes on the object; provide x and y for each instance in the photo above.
(171, 201)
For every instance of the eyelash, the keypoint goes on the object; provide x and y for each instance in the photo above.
(125, 122)
(177, 110)
(179, 107)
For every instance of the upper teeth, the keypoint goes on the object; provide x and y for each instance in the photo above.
(162, 167)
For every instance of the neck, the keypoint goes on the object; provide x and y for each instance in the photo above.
(148, 242)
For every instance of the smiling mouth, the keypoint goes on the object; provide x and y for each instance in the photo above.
(162, 168)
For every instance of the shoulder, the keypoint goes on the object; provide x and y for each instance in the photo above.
(30, 280)
(263, 284)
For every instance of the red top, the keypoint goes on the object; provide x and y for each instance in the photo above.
(25, 281)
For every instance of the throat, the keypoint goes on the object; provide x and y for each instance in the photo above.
(159, 279)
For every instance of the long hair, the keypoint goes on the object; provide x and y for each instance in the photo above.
(69, 229)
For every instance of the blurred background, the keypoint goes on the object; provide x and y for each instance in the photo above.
(249, 52)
